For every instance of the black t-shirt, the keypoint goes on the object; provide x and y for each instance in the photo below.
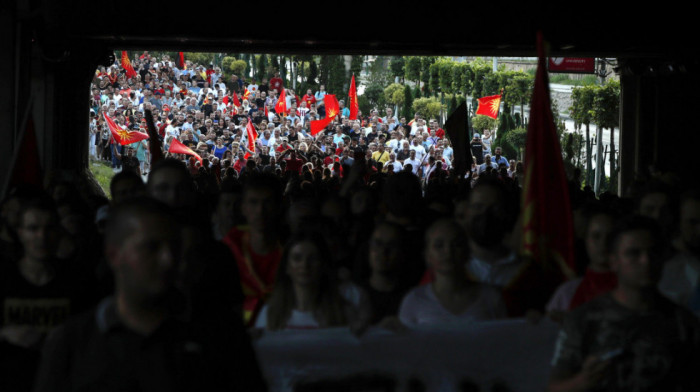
(41, 307)
(384, 303)
(97, 352)
(477, 151)
(190, 143)
(236, 118)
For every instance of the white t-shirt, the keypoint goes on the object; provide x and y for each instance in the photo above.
(414, 162)
(306, 320)
(420, 306)
(396, 165)
(420, 151)
(499, 273)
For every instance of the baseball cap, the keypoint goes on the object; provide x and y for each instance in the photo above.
(477, 135)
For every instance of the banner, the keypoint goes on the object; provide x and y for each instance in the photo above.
(512, 353)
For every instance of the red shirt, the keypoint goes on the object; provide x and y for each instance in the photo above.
(276, 84)
(282, 148)
(309, 99)
(294, 164)
(238, 165)
(327, 160)
(440, 133)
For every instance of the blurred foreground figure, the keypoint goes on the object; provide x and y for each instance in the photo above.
(134, 339)
(632, 339)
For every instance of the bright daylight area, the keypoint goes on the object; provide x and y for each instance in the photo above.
(216, 90)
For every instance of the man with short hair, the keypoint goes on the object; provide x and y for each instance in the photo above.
(498, 159)
(477, 149)
(134, 339)
(411, 160)
(632, 339)
(487, 163)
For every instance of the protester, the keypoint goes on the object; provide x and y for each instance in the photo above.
(134, 337)
(306, 293)
(632, 338)
(451, 297)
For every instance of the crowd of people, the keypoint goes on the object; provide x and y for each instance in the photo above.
(349, 228)
(209, 114)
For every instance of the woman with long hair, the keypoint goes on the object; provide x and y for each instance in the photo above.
(452, 296)
(306, 294)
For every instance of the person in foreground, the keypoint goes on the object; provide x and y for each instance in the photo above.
(633, 338)
(307, 295)
(451, 297)
(134, 340)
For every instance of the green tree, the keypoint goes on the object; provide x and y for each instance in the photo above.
(356, 67)
(375, 95)
(200, 58)
(238, 67)
(491, 84)
(379, 72)
(226, 64)
(463, 78)
(519, 90)
(505, 125)
(416, 92)
(275, 64)
(337, 74)
(428, 107)
(363, 103)
(393, 94)
(481, 123)
(434, 77)
(262, 67)
(479, 68)
(397, 65)
(407, 102)
(581, 112)
(446, 75)
(412, 69)
(606, 114)
(425, 63)
(283, 70)
(516, 140)
(312, 76)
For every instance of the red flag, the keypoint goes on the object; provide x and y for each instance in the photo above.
(547, 221)
(176, 147)
(332, 106)
(252, 136)
(121, 135)
(488, 106)
(26, 167)
(332, 109)
(246, 93)
(281, 107)
(267, 113)
(126, 64)
(236, 101)
(181, 61)
(354, 106)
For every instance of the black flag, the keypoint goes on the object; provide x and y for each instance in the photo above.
(457, 128)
